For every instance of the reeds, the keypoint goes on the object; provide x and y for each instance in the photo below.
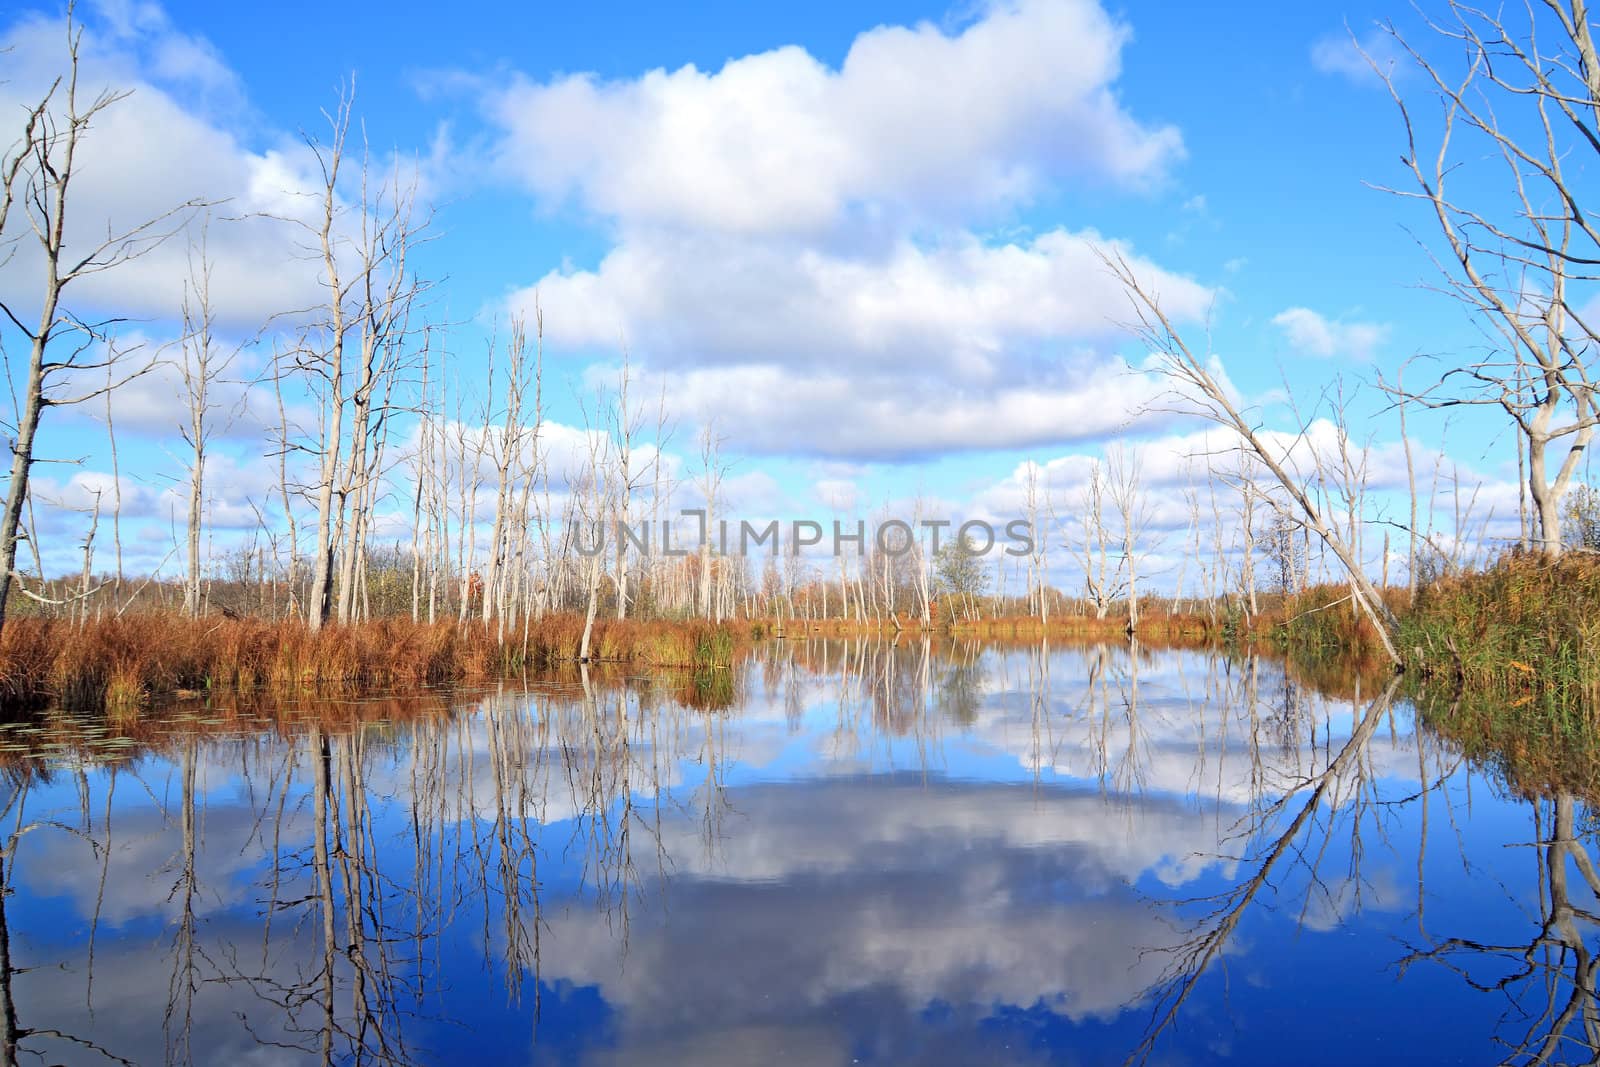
(1525, 625)
(1506, 663)
(124, 663)
(1163, 627)
(1540, 744)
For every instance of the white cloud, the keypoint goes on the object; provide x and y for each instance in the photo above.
(150, 152)
(962, 310)
(907, 351)
(914, 119)
(778, 410)
(172, 138)
(792, 254)
(1312, 334)
(1364, 61)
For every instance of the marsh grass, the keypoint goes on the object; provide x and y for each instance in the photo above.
(120, 664)
(1540, 743)
(1504, 662)
(1161, 627)
(1525, 626)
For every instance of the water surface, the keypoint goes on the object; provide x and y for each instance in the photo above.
(839, 853)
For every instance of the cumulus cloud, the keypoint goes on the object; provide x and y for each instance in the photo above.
(1313, 334)
(907, 352)
(147, 154)
(779, 410)
(172, 147)
(793, 244)
(795, 248)
(962, 309)
(914, 118)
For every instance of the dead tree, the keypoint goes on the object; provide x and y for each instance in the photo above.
(1524, 99)
(627, 420)
(354, 355)
(1200, 392)
(591, 505)
(1102, 582)
(63, 350)
(509, 446)
(713, 470)
(202, 365)
(1038, 504)
(1133, 517)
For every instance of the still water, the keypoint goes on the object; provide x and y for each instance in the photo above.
(838, 853)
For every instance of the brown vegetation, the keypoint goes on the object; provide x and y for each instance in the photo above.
(120, 663)
(1527, 624)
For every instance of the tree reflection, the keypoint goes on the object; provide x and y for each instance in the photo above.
(352, 916)
(316, 874)
(1284, 833)
(959, 686)
(15, 1037)
(1546, 981)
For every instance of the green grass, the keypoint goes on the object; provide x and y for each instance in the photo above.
(1525, 626)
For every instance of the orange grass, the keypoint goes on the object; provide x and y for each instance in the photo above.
(1156, 626)
(122, 663)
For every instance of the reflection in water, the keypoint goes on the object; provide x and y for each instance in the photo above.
(845, 851)
(1546, 977)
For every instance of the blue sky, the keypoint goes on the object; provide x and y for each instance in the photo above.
(856, 236)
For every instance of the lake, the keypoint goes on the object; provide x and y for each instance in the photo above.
(838, 852)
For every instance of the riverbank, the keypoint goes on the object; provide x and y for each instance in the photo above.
(1504, 661)
(1522, 628)
(123, 663)
(1525, 625)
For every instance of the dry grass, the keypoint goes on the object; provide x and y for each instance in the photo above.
(124, 663)
(1158, 626)
(1524, 626)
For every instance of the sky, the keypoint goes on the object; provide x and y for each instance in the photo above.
(859, 239)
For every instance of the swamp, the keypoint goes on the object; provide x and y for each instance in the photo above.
(911, 851)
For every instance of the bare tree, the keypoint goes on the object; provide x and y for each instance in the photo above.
(1253, 497)
(286, 496)
(1133, 516)
(201, 366)
(1411, 490)
(1341, 478)
(1102, 581)
(1199, 389)
(627, 419)
(922, 566)
(63, 349)
(713, 470)
(1038, 503)
(1525, 98)
(1284, 551)
(510, 448)
(591, 504)
(353, 357)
